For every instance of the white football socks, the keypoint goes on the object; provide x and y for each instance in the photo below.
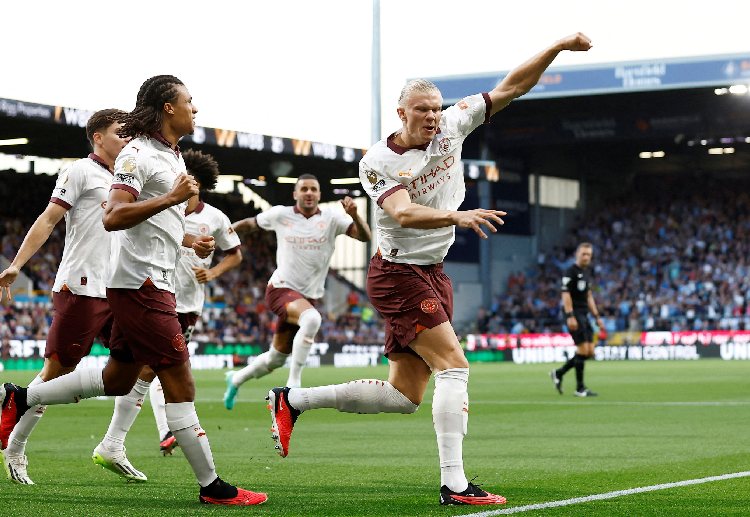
(184, 424)
(127, 408)
(309, 324)
(24, 427)
(262, 365)
(73, 387)
(158, 405)
(450, 416)
(361, 396)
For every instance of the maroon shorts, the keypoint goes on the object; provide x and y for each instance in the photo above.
(277, 298)
(146, 328)
(410, 298)
(78, 320)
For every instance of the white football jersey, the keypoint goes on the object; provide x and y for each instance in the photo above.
(205, 220)
(304, 246)
(432, 175)
(83, 188)
(147, 167)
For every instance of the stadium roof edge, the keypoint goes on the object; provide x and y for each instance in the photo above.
(614, 77)
(77, 117)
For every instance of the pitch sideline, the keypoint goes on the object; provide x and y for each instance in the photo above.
(607, 495)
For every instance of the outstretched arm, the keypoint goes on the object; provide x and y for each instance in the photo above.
(412, 215)
(36, 236)
(248, 225)
(360, 229)
(523, 78)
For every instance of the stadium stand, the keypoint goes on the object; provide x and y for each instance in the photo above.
(671, 255)
(235, 310)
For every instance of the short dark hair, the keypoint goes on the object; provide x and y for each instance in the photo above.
(306, 176)
(101, 120)
(148, 113)
(203, 167)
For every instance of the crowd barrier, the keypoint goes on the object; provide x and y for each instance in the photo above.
(27, 354)
(619, 346)
(728, 345)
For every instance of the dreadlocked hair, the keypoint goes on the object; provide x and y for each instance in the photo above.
(203, 167)
(148, 113)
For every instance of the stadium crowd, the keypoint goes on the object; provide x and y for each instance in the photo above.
(658, 265)
(671, 256)
(235, 310)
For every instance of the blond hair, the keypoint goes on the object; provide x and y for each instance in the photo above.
(416, 85)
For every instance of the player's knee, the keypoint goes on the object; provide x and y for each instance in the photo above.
(309, 322)
(115, 389)
(409, 407)
(116, 385)
(276, 359)
(401, 402)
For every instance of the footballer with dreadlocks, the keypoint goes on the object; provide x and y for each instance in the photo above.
(146, 213)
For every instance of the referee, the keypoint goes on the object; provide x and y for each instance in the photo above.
(577, 303)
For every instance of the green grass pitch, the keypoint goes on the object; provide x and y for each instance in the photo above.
(653, 423)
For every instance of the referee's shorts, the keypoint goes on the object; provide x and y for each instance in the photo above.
(585, 332)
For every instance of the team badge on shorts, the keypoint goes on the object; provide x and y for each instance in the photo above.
(429, 305)
(178, 342)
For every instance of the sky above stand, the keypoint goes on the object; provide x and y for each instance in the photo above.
(302, 69)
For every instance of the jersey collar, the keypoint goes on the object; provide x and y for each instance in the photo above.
(163, 141)
(198, 208)
(393, 146)
(298, 211)
(99, 161)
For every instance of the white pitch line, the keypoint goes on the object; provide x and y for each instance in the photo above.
(600, 402)
(608, 495)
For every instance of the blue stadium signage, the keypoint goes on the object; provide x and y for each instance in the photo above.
(662, 74)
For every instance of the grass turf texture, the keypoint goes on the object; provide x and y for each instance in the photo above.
(653, 423)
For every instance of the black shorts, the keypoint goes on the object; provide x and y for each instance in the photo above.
(585, 332)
